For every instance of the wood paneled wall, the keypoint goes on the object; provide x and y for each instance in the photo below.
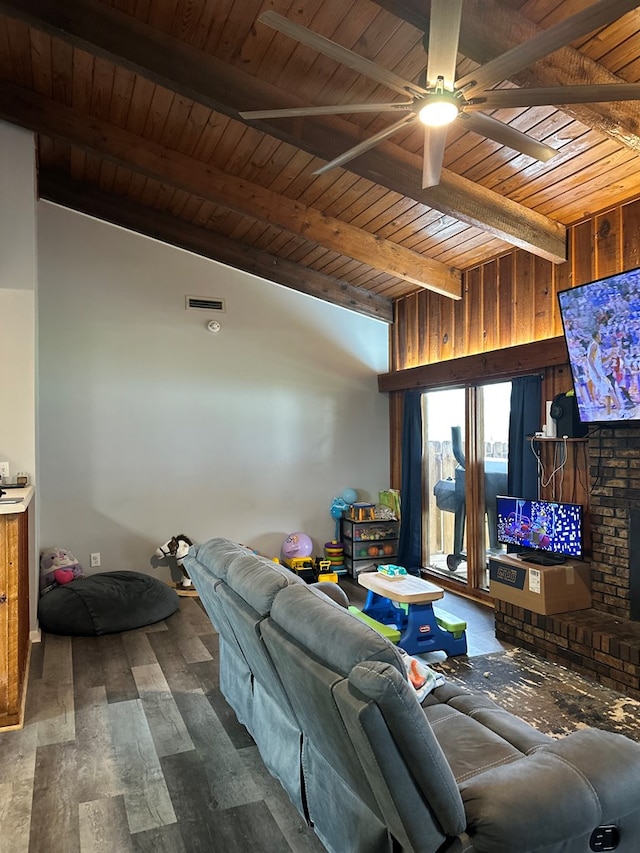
(506, 302)
(512, 299)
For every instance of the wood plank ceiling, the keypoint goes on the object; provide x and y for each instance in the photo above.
(135, 105)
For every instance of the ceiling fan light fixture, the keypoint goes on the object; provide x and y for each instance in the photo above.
(440, 108)
(438, 112)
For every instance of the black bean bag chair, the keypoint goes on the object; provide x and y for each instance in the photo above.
(106, 603)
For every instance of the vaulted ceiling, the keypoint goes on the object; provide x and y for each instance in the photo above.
(136, 106)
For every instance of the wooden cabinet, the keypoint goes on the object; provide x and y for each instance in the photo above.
(14, 614)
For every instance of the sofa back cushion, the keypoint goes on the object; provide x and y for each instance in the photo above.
(314, 643)
(247, 596)
(336, 638)
(258, 582)
(215, 555)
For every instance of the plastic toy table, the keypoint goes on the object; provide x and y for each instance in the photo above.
(421, 628)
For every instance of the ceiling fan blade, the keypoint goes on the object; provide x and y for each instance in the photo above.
(444, 34)
(557, 95)
(503, 67)
(434, 142)
(354, 152)
(340, 54)
(329, 110)
(507, 135)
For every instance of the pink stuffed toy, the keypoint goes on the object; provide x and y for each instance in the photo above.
(58, 567)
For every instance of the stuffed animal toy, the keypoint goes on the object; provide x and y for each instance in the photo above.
(178, 547)
(58, 567)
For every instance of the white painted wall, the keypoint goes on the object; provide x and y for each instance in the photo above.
(151, 426)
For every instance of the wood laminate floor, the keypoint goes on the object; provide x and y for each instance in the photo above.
(128, 746)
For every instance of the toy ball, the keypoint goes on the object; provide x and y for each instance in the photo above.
(349, 496)
(297, 545)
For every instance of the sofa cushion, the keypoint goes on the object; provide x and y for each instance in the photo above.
(215, 555)
(258, 584)
(106, 603)
(470, 747)
(322, 626)
(512, 729)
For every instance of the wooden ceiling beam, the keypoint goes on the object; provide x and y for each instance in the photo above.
(169, 229)
(93, 26)
(36, 112)
(459, 372)
(490, 28)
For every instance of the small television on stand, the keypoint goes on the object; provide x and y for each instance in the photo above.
(601, 322)
(543, 532)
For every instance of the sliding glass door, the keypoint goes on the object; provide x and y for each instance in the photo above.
(465, 467)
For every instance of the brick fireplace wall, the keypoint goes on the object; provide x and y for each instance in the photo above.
(604, 641)
(614, 472)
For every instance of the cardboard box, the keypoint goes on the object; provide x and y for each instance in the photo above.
(541, 589)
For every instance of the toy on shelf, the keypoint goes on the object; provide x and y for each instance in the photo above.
(390, 499)
(362, 511)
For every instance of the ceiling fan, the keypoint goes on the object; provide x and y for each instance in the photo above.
(444, 99)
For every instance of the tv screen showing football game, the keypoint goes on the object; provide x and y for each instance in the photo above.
(602, 328)
(553, 527)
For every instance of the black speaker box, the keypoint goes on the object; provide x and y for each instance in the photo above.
(564, 411)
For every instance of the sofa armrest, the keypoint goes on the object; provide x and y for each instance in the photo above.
(562, 791)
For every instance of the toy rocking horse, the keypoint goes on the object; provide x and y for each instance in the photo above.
(178, 547)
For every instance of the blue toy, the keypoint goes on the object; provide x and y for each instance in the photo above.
(339, 505)
(391, 571)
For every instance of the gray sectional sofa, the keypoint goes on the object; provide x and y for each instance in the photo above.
(328, 703)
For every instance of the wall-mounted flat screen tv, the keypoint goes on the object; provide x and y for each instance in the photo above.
(601, 323)
(550, 528)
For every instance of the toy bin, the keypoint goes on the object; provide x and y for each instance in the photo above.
(368, 543)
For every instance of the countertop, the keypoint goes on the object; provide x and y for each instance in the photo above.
(8, 502)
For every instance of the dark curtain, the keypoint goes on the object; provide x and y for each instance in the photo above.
(526, 402)
(410, 545)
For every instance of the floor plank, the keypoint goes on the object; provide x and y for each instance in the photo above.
(98, 773)
(146, 798)
(54, 816)
(179, 677)
(103, 826)
(54, 702)
(167, 727)
(229, 782)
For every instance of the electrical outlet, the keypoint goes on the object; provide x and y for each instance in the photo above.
(4, 471)
(95, 560)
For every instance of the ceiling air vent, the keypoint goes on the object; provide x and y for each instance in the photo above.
(204, 303)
